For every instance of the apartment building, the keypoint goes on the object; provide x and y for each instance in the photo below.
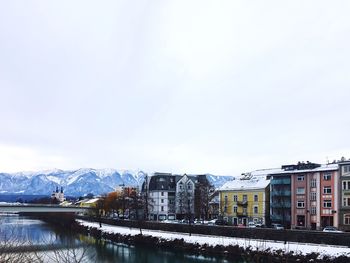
(161, 196)
(344, 202)
(305, 195)
(185, 189)
(245, 200)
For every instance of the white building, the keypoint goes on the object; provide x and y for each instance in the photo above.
(58, 195)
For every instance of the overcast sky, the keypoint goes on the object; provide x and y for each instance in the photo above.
(223, 87)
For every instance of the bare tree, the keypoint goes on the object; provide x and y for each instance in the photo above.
(18, 250)
(202, 195)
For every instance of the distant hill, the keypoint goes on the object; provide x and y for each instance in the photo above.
(78, 182)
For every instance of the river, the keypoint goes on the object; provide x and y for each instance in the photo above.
(23, 233)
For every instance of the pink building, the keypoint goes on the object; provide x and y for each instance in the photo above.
(315, 197)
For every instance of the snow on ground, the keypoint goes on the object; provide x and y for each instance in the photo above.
(297, 248)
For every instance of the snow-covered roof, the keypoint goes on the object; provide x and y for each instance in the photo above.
(322, 168)
(91, 201)
(254, 183)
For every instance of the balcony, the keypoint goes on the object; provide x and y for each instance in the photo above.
(240, 214)
(281, 193)
(242, 203)
(280, 181)
(281, 205)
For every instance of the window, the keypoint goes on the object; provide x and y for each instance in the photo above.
(300, 190)
(244, 210)
(189, 186)
(255, 209)
(180, 185)
(313, 210)
(235, 209)
(346, 185)
(327, 176)
(300, 177)
(327, 190)
(300, 204)
(162, 200)
(256, 198)
(346, 201)
(346, 169)
(162, 193)
(235, 198)
(347, 219)
(327, 203)
(313, 183)
(225, 209)
(245, 198)
(313, 196)
(162, 208)
(226, 200)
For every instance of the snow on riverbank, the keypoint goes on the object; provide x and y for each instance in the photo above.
(297, 248)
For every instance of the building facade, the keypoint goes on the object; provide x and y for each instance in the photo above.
(171, 196)
(58, 195)
(280, 199)
(161, 200)
(185, 189)
(344, 202)
(245, 200)
(305, 195)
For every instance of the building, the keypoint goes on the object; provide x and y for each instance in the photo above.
(305, 195)
(58, 195)
(280, 199)
(161, 190)
(185, 189)
(171, 197)
(245, 200)
(344, 201)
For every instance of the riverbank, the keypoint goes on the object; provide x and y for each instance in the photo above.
(251, 249)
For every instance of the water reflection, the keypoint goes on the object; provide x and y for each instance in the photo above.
(39, 233)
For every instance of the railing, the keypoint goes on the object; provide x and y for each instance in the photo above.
(42, 208)
(280, 181)
(281, 193)
(281, 205)
(243, 203)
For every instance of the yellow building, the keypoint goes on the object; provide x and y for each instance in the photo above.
(245, 200)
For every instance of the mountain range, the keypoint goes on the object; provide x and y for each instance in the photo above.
(78, 182)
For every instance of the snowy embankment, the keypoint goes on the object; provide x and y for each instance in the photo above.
(254, 244)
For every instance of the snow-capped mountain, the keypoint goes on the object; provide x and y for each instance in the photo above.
(75, 183)
(78, 182)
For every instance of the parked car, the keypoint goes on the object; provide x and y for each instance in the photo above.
(220, 222)
(211, 222)
(260, 225)
(277, 226)
(251, 225)
(331, 229)
(185, 221)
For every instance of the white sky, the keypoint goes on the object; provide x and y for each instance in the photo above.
(177, 86)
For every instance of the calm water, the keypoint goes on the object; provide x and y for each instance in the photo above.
(26, 232)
